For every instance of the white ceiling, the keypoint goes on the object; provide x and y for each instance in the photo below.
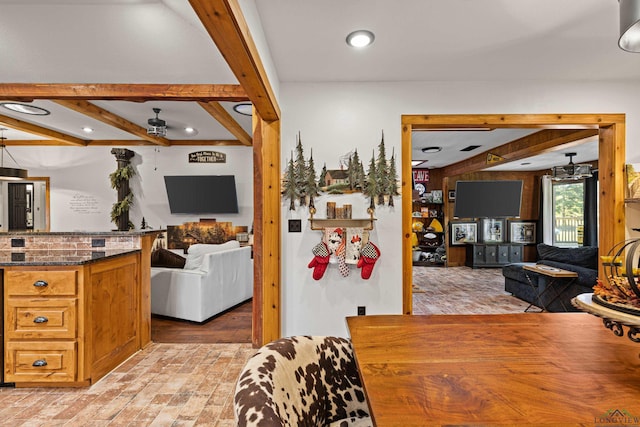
(162, 41)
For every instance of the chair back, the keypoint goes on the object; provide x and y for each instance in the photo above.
(301, 381)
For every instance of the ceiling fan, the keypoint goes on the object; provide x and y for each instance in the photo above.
(156, 126)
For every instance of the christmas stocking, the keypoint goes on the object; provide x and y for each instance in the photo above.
(320, 261)
(368, 257)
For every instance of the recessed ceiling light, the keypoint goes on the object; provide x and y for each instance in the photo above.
(244, 109)
(360, 38)
(25, 108)
(525, 163)
(418, 162)
(190, 131)
(431, 149)
(87, 129)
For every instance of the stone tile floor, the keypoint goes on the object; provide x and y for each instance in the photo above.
(163, 385)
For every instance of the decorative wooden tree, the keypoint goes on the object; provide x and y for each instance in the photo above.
(322, 181)
(120, 182)
(392, 189)
(301, 173)
(371, 187)
(289, 187)
(382, 172)
(311, 187)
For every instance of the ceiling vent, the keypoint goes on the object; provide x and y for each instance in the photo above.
(156, 126)
(571, 171)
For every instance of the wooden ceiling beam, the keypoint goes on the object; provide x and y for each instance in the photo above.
(217, 111)
(20, 125)
(104, 116)
(537, 143)
(125, 142)
(228, 29)
(27, 92)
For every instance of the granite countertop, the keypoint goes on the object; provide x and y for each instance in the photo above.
(19, 256)
(82, 233)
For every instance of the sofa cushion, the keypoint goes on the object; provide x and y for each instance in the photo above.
(583, 256)
(196, 252)
(165, 258)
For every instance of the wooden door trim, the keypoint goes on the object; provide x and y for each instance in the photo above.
(611, 164)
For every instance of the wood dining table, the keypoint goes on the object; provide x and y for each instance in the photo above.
(502, 369)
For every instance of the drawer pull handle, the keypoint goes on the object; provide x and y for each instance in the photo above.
(40, 284)
(40, 319)
(40, 362)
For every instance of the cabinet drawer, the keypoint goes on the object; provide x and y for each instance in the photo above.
(41, 283)
(40, 361)
(40, 318)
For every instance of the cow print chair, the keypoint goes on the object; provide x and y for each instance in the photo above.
(301, 381)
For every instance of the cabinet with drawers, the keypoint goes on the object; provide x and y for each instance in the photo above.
(70, 325)
(494, 255)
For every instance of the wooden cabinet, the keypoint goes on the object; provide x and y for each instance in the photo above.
(493, 255)
(70, 325)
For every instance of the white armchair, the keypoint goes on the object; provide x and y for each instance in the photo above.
(215, 278)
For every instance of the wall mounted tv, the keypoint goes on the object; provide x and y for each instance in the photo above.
(198, 194)
(488, 199)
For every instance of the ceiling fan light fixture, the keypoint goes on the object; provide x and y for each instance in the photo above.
(571, 171)
(360, 38)
(629, 26)
(156, 126)
(25, 109)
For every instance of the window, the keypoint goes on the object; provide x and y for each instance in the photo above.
(568, 213)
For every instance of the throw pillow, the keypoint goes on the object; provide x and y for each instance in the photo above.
(583, 256)
(165, 258)
(196, 252)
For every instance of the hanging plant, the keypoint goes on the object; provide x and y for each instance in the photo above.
(120, 175)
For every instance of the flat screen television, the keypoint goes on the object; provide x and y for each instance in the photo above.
(199, 194)
(488, 199)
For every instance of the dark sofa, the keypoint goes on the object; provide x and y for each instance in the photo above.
(582, 260)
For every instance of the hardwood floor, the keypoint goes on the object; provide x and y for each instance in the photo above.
(232, 326)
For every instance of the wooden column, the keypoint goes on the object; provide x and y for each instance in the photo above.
(266, 240)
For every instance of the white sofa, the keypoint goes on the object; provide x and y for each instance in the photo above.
(214, 278)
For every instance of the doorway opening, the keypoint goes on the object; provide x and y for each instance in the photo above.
(611, 160)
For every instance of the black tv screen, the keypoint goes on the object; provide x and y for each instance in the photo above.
(196, 194)
(488, 199)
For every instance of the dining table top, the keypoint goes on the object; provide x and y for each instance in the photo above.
(496, 369)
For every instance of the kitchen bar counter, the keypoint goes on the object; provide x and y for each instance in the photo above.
(76, 304)
(44, 257)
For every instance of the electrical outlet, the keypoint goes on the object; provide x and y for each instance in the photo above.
(295, 226)
(362, 310)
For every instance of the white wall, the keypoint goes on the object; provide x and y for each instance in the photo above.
(335, 118)
(81, 193)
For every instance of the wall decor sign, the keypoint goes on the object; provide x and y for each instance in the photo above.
(207, 157)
